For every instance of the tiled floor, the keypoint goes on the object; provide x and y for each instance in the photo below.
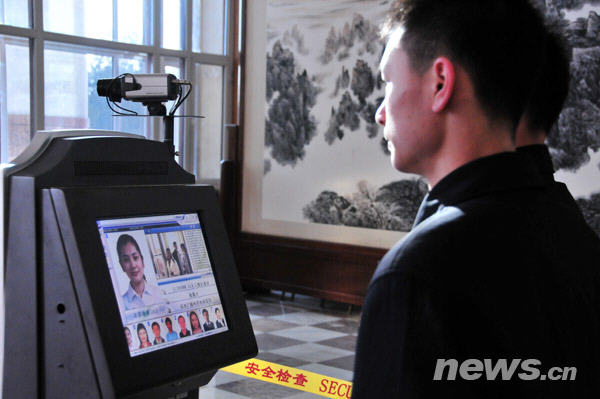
(297, 334)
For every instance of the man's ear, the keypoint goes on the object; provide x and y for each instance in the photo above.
(444, 79)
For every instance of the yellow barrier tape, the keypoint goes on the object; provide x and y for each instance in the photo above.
(292, 378)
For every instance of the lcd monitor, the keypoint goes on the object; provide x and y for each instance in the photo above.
(163, 280)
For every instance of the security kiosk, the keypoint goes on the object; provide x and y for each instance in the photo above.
(119, 278)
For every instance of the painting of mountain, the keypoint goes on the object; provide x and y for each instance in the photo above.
(391, 207)
(575, 140)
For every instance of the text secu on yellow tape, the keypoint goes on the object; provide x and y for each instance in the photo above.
(293, 378)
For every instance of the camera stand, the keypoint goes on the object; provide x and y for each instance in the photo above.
(159, 109)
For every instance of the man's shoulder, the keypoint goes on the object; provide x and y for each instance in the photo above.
(421, 246)
(439, 242)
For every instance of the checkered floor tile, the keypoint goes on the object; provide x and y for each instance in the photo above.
(298, 333)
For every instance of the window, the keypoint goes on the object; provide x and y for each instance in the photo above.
(71, 73)
(208, 130)
(208, 26)
(52, 53)
(14, 12)
(14, 95)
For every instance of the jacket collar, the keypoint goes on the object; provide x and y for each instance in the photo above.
(540, 156)
(496, 173)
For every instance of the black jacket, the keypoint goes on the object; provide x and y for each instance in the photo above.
(496, 267)
(540, 155)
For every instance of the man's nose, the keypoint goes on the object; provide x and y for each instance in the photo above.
(380, 115)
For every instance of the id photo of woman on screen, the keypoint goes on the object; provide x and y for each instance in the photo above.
(195, 323)
(143, 336)
(129, 338)
(139, 293)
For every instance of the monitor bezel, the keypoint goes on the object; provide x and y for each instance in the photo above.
(85, 207)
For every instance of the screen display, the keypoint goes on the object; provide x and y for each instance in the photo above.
(163, 280)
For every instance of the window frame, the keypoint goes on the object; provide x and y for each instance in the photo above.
(37, 37)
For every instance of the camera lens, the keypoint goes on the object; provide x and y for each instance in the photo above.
(110, 88)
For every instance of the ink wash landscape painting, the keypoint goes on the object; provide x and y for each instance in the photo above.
(575, 140)
(323, 150)
(322, 170)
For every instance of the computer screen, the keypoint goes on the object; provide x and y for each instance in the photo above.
(163, 280)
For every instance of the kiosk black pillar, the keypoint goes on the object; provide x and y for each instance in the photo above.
(119, 278)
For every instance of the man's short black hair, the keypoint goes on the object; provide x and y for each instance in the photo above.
(497, 42)
(551, 87)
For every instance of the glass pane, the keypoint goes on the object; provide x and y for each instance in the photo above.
(14, 12)
(14, 96)
(88, 18)
(71, 100)
(134, 19)
(208, 30)
(95, 19)
(175, 66)
(173, 24)
(208, 88)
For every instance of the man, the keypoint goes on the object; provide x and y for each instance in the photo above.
(185, 260)
(492, 269)
(171, 335)
(183, 327)
(172, 266)
(207, 325)
(139, 293)
(156, 331)
(176, 258)
(220, 323)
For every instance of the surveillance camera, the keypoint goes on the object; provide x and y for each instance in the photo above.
(144, 88)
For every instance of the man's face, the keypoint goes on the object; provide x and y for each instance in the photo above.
(156, 330)
(218, 313)
(169, 326)
(132, 263)
(181, 322)
(405, 112)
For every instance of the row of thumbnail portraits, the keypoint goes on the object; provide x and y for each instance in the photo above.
(171, 328)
